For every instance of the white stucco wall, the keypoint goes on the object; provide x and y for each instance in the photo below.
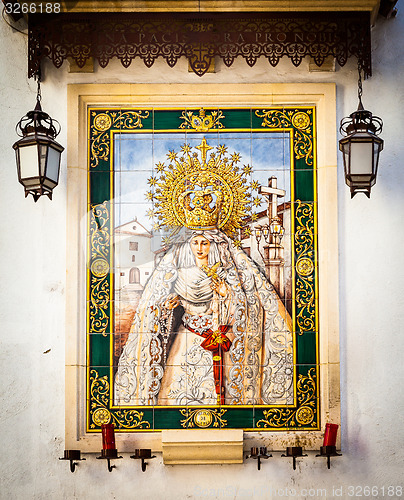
(32, 307)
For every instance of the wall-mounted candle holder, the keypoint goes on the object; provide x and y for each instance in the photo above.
(142, 454)
(328, 451)
(73, 456)
(109, 451)
(294, 452)
(109, 454)
(259, 454)
(329, 444)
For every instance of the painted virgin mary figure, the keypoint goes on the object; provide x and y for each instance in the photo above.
(210, 328)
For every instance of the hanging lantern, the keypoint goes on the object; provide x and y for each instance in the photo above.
(37, 153)
(361, 147)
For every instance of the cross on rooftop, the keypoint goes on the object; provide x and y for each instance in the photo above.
(272, 192)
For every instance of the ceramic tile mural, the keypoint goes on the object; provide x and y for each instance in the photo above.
(202, 284)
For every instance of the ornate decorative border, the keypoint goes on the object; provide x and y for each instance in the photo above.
(100, 285)
(305, 268)
(300, 123)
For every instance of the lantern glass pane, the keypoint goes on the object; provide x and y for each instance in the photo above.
(29, 161)
(344, 147)
(376, 152)
(361, 158)
(52, 171)
(42, 158)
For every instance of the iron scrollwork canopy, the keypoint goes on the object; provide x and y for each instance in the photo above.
(200, 37)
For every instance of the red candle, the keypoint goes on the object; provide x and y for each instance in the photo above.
(330, 434)
(108, 437)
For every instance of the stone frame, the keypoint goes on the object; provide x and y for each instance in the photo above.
(80, 97)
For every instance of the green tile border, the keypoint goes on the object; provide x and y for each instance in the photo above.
(299, 122)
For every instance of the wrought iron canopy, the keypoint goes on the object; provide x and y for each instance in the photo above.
(200, 37)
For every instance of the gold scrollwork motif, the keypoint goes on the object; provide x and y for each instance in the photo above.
(305, 280)
(99, 220)
(203, 122)
(303, 141)
(303, 415)
(99, 305)
(203, 418)
(99, 286)
(100, 414)
(105, 122)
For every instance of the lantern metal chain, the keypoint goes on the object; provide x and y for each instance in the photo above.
(38, 91)
(360, 89)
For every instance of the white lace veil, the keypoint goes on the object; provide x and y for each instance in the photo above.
(260, 360)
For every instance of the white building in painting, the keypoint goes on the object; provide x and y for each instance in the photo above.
(134, 258)
(133, 255)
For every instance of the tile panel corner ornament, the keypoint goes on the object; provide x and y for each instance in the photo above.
(300, 121)
(103, 122)
(302, 416)
(250, 357)
(100, 412)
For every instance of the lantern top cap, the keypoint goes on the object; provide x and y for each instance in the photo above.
(361, 120)
(37, 122)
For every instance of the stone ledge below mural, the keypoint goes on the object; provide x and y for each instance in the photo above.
(202, 446)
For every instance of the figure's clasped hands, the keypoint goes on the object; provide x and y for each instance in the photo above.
(220, 287)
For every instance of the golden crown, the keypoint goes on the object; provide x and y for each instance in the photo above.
(200, 190)
(198, 212)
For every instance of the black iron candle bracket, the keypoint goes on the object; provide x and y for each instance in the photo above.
(73, 456)
(328, 451)
(294, 452)
(109, 455)
(138, 456)
(259, 458)
(262, 454)
(144, 463)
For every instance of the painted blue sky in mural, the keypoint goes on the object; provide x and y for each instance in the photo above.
(135, 157)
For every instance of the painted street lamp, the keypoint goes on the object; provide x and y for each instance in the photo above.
(277, 230)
